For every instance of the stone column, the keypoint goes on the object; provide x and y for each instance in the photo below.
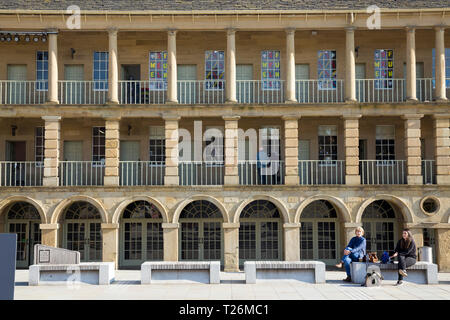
(51, 153)
(113, 72)
(440, 91)
(110, 238)
(442, 249)
(230, 71)
(291, 149)
(112, 151)
(52, 66)
(412, 148)
(351, 145)
(290, 66)
(231, 247)
(170, 240)
(350, 75)
(349, 229)
(171, 177)
(410, 64)
(442, 148)
(49, 234)
(172, 67)
(291, 241)
(231, 150)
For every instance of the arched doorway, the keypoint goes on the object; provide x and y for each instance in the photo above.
(201, 233)
(141, 234)
(318, 233)
(23, 219)
(260, 232)
(82, 230)
(380, 225)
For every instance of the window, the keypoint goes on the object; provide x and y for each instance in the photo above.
(384, 68)
(270, 69)
(270, 142)
(157, 145)
(214, 69)
(42, 70)
(447, 67)
(39, 141)
(98, 146)
(326, 69)
(214, 149)
(327, 143)
(101, 71)
(385, 144)
(158, 70)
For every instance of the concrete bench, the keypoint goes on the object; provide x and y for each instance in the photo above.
(305, 271)
(101, 273)
(422, 272)
(180, 272)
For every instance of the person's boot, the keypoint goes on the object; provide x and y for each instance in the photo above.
(403, 272)
(339, 265)
(348, 279)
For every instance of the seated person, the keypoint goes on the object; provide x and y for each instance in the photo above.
(405, 251)
(355, 250)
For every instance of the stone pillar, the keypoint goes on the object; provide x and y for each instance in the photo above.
(231, 150)
(51, 153)
(412, 148)
(442, 148)
(351, 145)
(350, 75)
(113, 72)
(49, 234)
(410, 64)
(443, 249)
(52, 66)
(291, 241)
(349, 229)
(172, 67)
(112, 152)
(170, 240)
(231, 247)
(440, 91)
(230, 71)
(171, 177)
(110, 238)
(291, 149)
(290, 66)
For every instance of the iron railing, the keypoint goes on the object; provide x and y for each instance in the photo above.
(315, 172)
(141, 173)
(81, 173)
(260, 91)
(261, 172)
(383, 171)
(194, 173)
(21, 173)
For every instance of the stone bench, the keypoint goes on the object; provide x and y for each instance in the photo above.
(101, 273)
(421, 272)
(305, 271)
(180, 272)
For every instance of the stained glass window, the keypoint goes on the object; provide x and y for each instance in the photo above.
(214, 69)
(270, 69)
(447, 68)
(158, 70)
(326, 69)
(101, 61)
(42, 70)
(384, 68)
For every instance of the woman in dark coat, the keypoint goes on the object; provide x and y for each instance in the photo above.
(405, 251)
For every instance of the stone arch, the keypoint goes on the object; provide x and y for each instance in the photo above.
(339, 205)
(66, 202)
(398, 203)
(280, 206)
(5, 203)
(121, 207)
(213, 200)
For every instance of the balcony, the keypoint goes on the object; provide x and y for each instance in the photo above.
(320, 91)
(23, 92)
(378, 172)
(319, 172)
(201, 91)
(260, 92)
(142, 92)
(83, 92)
(141, 173)
(201, 173)
(21, 174)
(81, 173)
(261, 172)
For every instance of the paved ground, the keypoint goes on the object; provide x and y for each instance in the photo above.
(232, 287)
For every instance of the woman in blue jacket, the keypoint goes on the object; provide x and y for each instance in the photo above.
(355, 250)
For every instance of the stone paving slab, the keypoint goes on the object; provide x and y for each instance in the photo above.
(232, 287)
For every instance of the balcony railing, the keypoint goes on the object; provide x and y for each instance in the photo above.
(429, 171)
(201, 173)
(261, 172)
(21, 174)
(315, 172)
(81, 173)
(320, 91)
(259, 91)
(141, 173)
(83, 92)
(142, 92)
(201, 91)
(380, 91)
(23, 92)
(424, 89)
(383, 171)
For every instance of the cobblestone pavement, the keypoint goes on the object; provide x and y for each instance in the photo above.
(232, 287)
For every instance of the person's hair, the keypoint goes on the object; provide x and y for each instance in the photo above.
(360, 229)
(406, 243)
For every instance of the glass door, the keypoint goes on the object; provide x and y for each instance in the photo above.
(75, 89)
(187, 88)
(85, 237)
(380, 236)
(201, 240)
(28, 234)
(318, 240)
